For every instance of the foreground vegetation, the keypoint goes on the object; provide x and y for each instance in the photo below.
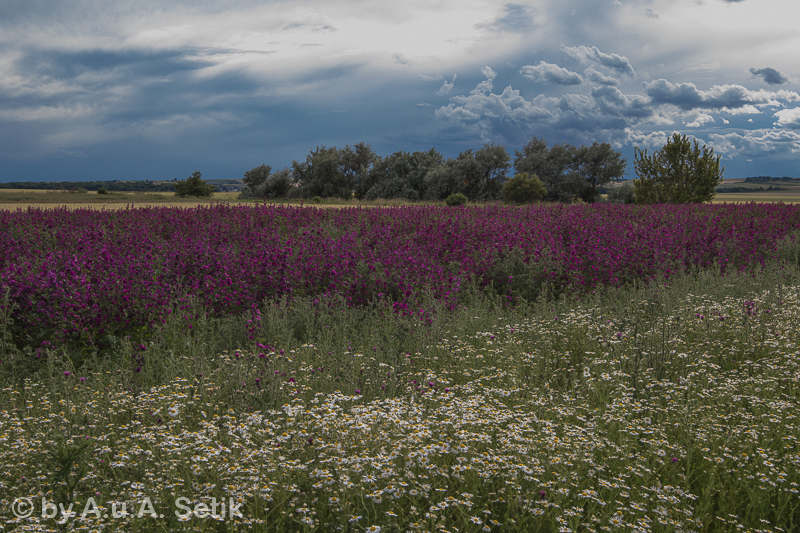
(659, 409)
(665, 403)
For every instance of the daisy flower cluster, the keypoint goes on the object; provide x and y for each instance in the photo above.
(657, 415)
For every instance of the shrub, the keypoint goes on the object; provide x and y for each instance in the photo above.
(102, 190)
(317, 199)
(523, 188)
(193, 186)
(456, 199)
(678, 173)
(623, 194)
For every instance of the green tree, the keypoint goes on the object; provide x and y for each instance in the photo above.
(255, 181)
(279, 185)
(478, 175)
(193, 186)
(569, 173)
(598, 164)
(442, 181)
(319, 175)
(523, 189)
(680, 172)
(621, 194)
(260, 182)
(399, 175)
(555, 166)
(330, 172)
(492, 163)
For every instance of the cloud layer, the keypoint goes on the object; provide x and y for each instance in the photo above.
(110, 89)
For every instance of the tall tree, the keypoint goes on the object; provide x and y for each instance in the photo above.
(598, 164)
(255, 181)
(492, 164)
(355, 162)
(320, 175)
(400, 175)
(443, 180)
(556, 168)
(333, 172)
(680, 172)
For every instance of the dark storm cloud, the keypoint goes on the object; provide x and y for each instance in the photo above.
(769, 75)
(134, 64)
(612, 101)
(550, 73)
(687, 96)
(88, 87)
(604, 113)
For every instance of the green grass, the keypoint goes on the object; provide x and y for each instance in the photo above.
(653, 409)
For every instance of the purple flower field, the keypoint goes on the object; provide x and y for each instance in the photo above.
(78, 275)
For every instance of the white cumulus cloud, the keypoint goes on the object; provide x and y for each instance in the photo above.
(550, 73)
(789, 118)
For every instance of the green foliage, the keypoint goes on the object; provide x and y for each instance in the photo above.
(568, 172)
(299, 380)
(255, 181)
(598, 165)
(622, 194)
(400, 175)
(478, 175)
(193, 186)
(523, 189)
(442, 181)
(680, 172)
(102, 190)
(260, 183)
(456, 199)
(333, 172)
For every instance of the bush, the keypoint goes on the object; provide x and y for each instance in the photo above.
(317, 199)
(193, 186)
(456, 199)
(523, 189)
(623, 194)
(261, 183)
(680, 172)
(102, 190)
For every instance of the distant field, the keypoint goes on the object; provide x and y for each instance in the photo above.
(789, 191)
(25, 198)
(11, 199)
(759, 197)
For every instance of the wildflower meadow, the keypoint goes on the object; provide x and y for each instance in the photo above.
(264, 368)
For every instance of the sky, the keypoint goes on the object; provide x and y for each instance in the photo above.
(156, 89)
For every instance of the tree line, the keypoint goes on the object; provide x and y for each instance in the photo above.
(677, 173)
(566, 172)
(110, 185)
